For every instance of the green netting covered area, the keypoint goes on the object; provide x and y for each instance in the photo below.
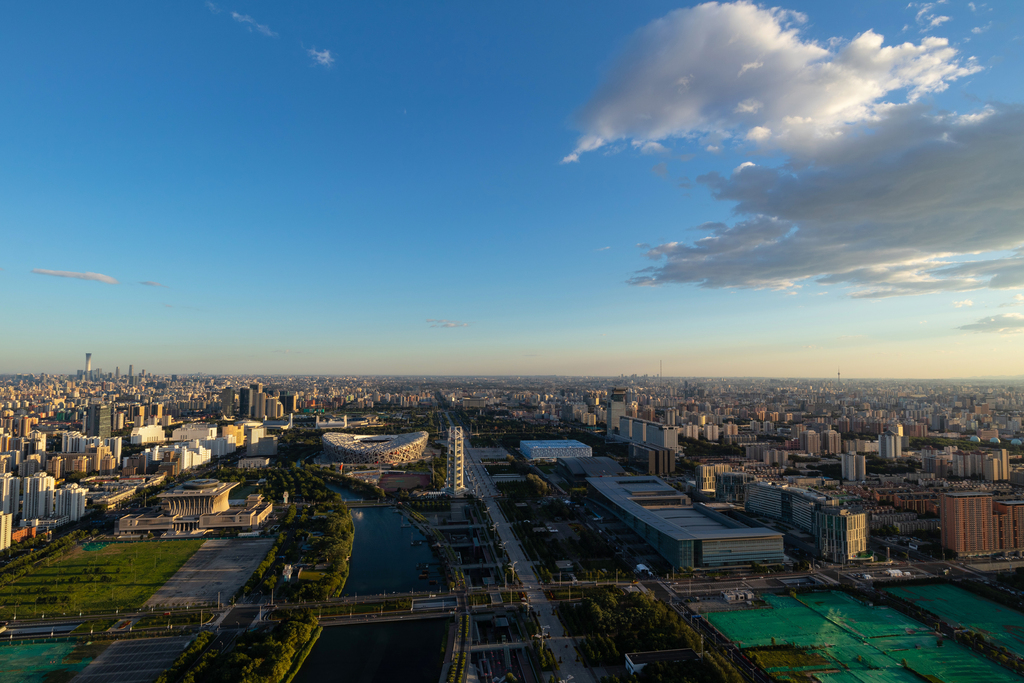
(999, 624)
(863, 644)
(36, 663)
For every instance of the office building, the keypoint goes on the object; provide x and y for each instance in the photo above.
(98, 421)
(244, 402)
(196, 507)
(227, 402)
(616, 409)
(553, 449)
(686, 536)
(705, 476)
(731, 487)
(839, 534)
(652, 459)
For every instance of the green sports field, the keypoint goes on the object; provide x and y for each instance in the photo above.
(999, 624)
(862, 644)
(115, 576)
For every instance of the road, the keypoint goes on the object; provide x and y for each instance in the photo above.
(563, 645)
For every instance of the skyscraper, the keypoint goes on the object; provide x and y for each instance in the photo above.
(88, 366)
(227, 402)
(890, 445)
(97, 421)
(616, 409)
(244, 402)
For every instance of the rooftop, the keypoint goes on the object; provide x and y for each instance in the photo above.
(682, 523)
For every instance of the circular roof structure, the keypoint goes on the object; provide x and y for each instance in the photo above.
(975, 439)
(382, 449)
(994, 439)
(1017, 442)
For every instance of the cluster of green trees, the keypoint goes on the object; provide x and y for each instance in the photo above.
(186, 659)
(615, 623)
(533, 487)
(259, 657)
(671, 672)
(261, 570)
(23, 565)
(334, 547)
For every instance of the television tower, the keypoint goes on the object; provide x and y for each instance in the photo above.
(455, 483)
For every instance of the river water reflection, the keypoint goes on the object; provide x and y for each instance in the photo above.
(396, 652)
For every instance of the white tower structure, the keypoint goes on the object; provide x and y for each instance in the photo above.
(456, 461)
(38, 496)
(10, 493)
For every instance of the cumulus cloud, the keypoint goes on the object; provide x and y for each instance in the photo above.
(1018, 300)
(252, 24)
(877, 191)
(150, 283)
(726, 68)
(321, 57)
(96, 277)
(961, 304)
(446, 323)
(1007, 323)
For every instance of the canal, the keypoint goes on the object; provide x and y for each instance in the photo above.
(384, 559)
(409, 652)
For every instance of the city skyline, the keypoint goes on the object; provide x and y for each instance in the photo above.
(467, 191)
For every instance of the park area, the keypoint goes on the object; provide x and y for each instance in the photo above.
(999, 624)
(838, 639)
(96, 577)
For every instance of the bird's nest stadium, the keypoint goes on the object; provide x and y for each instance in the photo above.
(387, 449)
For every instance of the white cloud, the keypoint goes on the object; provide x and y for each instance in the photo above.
(650, 147)
(981, 29)
(212, 7)
(961, 304)
(321, 57)
(926, 18)
(1018, 300)
(1007, 323)
(252, 24)
(921, 204)
(150, 283)
(446, 323)
(677, 77)
(96, 277)
(745, 164)
(602, 249)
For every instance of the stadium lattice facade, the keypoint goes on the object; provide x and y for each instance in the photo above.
(359, 449)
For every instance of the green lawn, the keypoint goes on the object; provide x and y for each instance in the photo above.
(95, 626)
(157, 619)
(118, 576)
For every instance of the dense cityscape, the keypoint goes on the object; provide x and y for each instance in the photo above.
(261, 521)
(545, 342)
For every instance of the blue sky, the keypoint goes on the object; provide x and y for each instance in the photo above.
(314, 185)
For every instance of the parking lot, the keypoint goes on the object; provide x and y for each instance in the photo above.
(133, 661)
(221, 567)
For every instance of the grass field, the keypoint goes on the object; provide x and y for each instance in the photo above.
(95, 626)
(117, 576)
(157, 620)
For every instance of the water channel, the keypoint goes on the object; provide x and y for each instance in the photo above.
(384, 559)
(409, 652)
